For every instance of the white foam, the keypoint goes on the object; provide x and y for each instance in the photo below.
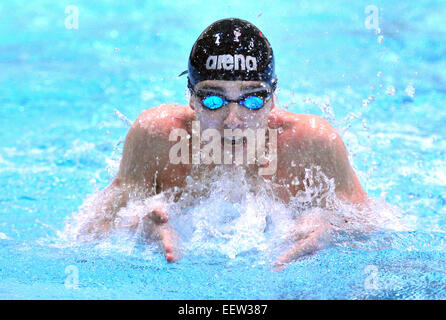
(221, 213)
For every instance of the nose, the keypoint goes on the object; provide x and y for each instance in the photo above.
(232, 120)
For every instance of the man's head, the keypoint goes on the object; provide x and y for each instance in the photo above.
(231, 76)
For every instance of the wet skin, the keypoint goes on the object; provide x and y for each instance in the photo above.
(303, 141)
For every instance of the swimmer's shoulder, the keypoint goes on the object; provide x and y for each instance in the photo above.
(148, 139)
(162, 119)
(302, 126)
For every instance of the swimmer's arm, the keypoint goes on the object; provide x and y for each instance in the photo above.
(143, 157)
(310, 233)
(313, 141)
(154, 223)
(115, 196)
(347, 186)
(128, 180)
(107, 203)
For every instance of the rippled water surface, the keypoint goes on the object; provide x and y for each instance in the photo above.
(61, 94)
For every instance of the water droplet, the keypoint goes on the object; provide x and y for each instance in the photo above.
(390, 91)
(295, 181)
(410, 91)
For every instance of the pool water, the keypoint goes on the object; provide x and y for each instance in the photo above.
(66, 96)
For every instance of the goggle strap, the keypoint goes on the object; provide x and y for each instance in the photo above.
(190, 86)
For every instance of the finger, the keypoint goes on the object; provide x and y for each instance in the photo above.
(298, 250)
(159, 216)
(291, 254)
(167, 237)
(285, 260)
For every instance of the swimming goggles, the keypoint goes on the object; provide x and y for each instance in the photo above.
(252, 101)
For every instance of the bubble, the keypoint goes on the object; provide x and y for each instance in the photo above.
(410, 90)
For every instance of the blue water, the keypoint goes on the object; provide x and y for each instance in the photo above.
(60, 140)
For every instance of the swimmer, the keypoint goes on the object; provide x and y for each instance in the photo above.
(232, 80)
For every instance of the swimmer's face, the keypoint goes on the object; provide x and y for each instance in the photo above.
(231, 115)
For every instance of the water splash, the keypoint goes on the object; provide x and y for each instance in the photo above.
(123, 118)
(222, 214)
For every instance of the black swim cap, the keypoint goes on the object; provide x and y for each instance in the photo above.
(231, 49)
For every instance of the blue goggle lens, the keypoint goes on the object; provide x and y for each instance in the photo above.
(253, 102)
(213, 102)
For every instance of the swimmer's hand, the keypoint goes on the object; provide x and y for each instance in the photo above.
(310, 233)
(164, 233)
